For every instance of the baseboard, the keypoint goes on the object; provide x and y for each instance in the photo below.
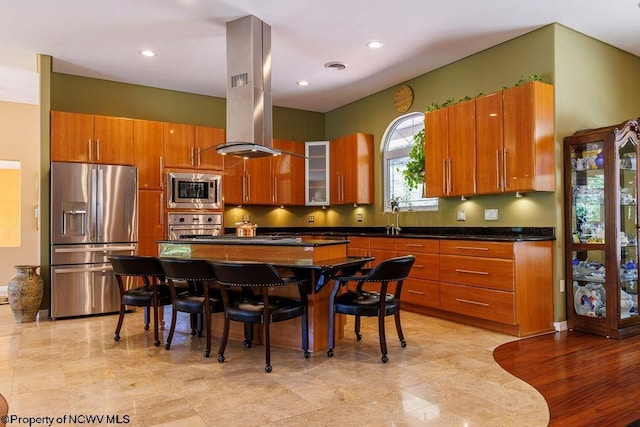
(560, 326)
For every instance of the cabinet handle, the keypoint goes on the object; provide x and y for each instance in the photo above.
(415, 245)
(244, 188)
(89, 149)
(199, 156)
(444, 176)
(248, 187)
(161, 174)
(483, 304)
(506, 172)
(449, 173)
(160, 210)
(97, 150)
(275, 189)
(418, 266)
(472, 248)
(193, 155)
(409, 291)
(482, 273)
(497, 169)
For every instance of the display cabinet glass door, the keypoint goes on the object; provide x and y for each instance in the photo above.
(588, 215)
(626, 150)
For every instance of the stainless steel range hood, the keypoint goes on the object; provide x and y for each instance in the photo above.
(249, 107)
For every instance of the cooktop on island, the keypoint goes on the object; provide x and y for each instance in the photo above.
(254, 239)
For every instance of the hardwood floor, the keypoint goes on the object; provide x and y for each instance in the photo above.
(586, 380)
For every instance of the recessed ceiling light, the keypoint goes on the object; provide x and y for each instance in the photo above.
(335, 66)
(375, 44)
(147, 53)
(302, 83)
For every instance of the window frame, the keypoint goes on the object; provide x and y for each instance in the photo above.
(430, 204)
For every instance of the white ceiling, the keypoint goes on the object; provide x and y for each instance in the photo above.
(103, 38)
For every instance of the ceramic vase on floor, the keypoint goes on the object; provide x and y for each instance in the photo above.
(25, 293)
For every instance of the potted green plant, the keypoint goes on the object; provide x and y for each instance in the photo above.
(414, 172)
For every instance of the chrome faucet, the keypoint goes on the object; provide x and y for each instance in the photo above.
(395, 210)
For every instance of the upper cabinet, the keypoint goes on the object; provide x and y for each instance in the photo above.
(206, 141)
(497, 143)
(90, 138)
(317, 173)
(450, 153)
(147, 153)
(529, 137)
(188, 146)
(277, 180)
(287, 172)
(351, 166)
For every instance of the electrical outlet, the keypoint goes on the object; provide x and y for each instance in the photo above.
(562, 286)
(311, 218)
(491, 214)
(359, 217)
(246, 218)
(461, 216)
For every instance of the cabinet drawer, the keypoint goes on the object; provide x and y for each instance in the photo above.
(498, 306)
(386, 243)
(477, 248)
(490, 273)
(427, 266)
(418, 245)
(421, 292)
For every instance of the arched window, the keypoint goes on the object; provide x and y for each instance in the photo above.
(397, 143)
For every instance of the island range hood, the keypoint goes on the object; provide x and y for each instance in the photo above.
(249, 107)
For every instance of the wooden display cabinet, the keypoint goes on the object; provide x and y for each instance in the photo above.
(601, 230)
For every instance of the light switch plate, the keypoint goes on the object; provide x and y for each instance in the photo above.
(246, 218)
(491, 214)
(359, 217)
(311, 218)
(461, 216)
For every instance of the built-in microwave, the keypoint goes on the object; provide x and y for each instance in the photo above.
(194, 191)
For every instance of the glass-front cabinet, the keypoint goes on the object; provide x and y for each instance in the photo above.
(601, 225)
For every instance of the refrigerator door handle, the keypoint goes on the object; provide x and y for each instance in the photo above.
(85, 250)
(60, 270)
(100, 202)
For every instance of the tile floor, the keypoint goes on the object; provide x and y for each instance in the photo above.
(446, 376)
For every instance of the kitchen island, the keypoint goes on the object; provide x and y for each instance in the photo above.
(315, 260)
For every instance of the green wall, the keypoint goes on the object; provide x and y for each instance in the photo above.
(95, 96)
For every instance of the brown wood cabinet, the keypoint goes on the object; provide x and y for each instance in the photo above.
(206, 139)
(497, 143)
(147, 153)
(150, 221)
(188, 146)
(490, 176)
(529, 137)
(509, 284)
(248, 182)
(450, 154)
(422, 287)
(351, 170)
(287, 172)
(502, 286)
(91, 139)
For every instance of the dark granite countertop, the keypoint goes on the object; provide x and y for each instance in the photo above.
(507, 234)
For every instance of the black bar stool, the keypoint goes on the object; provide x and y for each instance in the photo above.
(359, 302)
(260, 307)
(201, 299)
(153, 294)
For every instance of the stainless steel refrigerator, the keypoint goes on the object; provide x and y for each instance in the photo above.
(94, 214)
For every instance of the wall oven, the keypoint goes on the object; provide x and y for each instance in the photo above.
(187, 225)
(194, 191)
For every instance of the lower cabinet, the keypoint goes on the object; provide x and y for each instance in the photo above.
(502, 286)
(150, 221)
